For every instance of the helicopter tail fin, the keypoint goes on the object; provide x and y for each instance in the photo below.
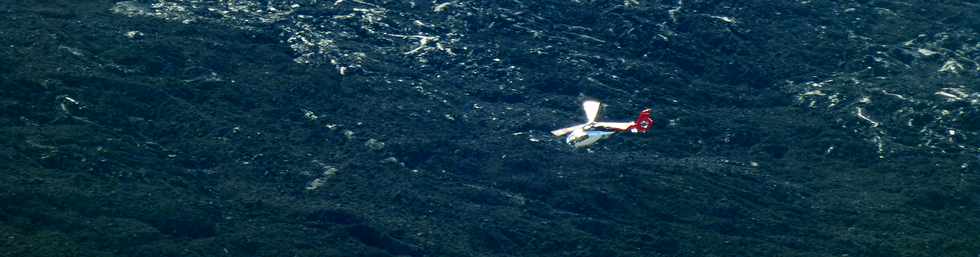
(643, 123)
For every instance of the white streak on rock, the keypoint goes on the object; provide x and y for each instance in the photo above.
(951, 66)
(442, 7)
(927, 52)
(860, 114)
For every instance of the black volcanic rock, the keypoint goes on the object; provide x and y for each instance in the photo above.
(392, 128)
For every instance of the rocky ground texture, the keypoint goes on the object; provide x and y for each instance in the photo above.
(420, 128)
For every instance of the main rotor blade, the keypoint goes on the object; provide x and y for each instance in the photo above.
(591, 110)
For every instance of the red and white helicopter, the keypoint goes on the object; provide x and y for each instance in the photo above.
(591, 131)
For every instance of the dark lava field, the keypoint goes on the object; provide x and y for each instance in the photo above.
(421, 128)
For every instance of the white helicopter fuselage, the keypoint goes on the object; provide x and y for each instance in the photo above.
(580, 137)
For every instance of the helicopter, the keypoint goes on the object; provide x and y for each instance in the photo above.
(592, 131)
